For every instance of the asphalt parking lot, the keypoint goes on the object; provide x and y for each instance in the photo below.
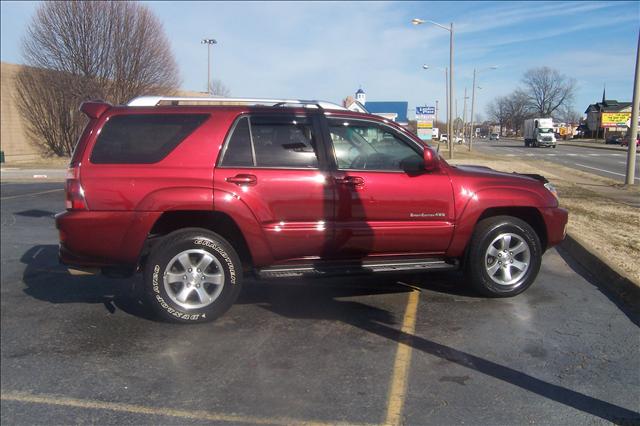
(390, 349)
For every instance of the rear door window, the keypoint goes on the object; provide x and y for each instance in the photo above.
(272, 142)
(142, 138)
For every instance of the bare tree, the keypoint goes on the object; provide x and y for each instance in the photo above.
(497, 111)
(517, 109)
(568, 115)
(217, 88)
(75, 51)
(547, 90)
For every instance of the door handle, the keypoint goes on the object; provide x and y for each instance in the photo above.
(351, 180)
(243, 179)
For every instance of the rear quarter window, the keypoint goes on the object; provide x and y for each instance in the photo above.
(142, 138)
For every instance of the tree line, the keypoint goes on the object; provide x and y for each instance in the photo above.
(544, 93)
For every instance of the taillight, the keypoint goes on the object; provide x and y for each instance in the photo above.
(75, 194)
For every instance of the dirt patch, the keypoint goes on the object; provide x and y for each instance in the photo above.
(598, 213)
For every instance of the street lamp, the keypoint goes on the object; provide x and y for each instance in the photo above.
(446, 92)
(209, 42)
(417, 21)
(473, 99)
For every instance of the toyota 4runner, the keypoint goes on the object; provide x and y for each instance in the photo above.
(196, 193)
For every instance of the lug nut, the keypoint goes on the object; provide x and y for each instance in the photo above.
(499, 254)
(184, 277)
(199, 270)
(198, 285)
(189, 269)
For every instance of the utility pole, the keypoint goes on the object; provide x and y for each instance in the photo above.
(473, 101)
(633, 128)
(451, 95)
(446, 100)
(464, 114)
(208, 42)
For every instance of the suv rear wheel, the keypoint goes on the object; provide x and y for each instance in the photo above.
(192, 275)
(504, 256)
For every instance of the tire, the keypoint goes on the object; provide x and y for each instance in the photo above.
(486, 251)
(178, 291)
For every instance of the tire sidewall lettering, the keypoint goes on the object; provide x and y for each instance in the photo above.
(219, 252)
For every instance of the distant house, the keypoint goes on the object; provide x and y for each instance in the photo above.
(391, 110)
(594, 113)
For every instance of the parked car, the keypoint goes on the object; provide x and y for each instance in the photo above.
(444, 137)
(627, 138)
(494, 137)
(613, 140)
(197, 196)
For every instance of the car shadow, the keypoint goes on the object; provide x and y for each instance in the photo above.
(45, 279)
(632, 311)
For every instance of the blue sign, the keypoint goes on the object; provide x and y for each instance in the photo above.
(425, 110)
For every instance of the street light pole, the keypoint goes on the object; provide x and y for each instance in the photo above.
(209, 42)
(633, 128)
(446, 96)
(417, 21)
(473, 101)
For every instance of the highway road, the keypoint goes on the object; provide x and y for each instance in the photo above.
(603, 162)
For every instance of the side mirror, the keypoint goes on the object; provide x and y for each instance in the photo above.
(430, 160)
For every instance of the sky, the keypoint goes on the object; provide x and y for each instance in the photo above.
(327, 50)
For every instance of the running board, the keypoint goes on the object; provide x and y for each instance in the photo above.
(366, 267)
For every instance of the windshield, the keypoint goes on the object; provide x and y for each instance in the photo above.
(545, 130)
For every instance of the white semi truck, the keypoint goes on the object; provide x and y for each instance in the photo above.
(539, 132)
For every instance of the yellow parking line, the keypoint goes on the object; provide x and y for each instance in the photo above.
(158, 411)
(402, 363)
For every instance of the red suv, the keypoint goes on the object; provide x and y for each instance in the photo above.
(197, 192)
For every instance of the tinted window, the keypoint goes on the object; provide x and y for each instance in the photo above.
(283, 142)
(238, 152)
(143, 138)
(364, 146)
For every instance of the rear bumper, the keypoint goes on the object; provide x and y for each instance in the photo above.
(555, 219)
(102, 238)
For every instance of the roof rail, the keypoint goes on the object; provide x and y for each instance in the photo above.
(147, 101)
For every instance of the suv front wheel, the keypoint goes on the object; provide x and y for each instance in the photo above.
(504, 256)
(192, 275)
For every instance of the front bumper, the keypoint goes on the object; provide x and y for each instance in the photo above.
(555, 219)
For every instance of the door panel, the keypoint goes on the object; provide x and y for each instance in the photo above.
(385, 204)
(274, 167)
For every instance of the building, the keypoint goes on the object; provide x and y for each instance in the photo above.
(391, 110)
(15, 142)
(595, 113)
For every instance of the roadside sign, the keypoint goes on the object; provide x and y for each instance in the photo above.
(425, 110)
(424, 122)
(615, 119)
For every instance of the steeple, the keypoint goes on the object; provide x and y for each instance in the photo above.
(604, 89)
(361, 96)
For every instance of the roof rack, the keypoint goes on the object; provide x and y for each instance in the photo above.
(147, 101)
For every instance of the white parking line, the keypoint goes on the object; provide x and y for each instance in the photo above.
(594, 155)
(572, 155)
(602, 170)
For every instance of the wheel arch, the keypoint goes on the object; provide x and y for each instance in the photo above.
(215, 221)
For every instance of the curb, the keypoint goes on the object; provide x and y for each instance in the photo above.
(606, 276)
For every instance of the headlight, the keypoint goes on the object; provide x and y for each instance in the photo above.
(552, 189)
